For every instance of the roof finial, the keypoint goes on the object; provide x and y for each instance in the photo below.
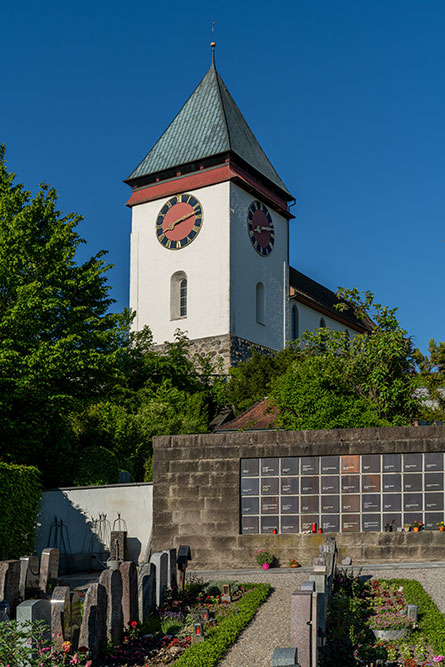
(213, 43)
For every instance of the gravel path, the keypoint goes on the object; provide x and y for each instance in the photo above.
(271, 626)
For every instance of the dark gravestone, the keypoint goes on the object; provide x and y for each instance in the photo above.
(49, 569)
(93, 629)
(10, 582)
(130, 611)
(171, 569)
(146, 590)
(29, 576)
(160, 561)
(76, 619)
(184, 555)
(60, 616)
(111, 580)
(31, 611)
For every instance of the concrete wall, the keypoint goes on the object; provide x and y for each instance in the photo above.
(77, 506)
(196, 497)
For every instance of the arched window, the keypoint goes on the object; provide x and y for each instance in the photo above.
(178, 295)
(260, 303)
(322, 323)
(294, 323)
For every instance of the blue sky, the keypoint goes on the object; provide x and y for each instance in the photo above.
(346, 97)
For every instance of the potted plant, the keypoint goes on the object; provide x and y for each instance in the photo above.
(417, 525)
(440, 526)
(294, 563)
(264, 558)
(390, 625)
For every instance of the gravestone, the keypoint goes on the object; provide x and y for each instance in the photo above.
(35, 610)
(29, 576)
(130, 610)
(146, 590)
(118, 545)
(10, 582)
(60, 616)
(75, 619)
(160, 561)
(49, 569)
(285, 657)
(111, 580)
(184, 555)
(411, 612)
(93, 629)
(308, 586)
(300, 626)
(171, 568)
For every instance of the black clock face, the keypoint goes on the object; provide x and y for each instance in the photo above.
(260, 228)
(179, 222)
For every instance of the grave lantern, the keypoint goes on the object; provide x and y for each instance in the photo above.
(198, 632)
(204, 614)
(226, 596)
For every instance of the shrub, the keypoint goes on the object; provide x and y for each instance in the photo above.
(96, 465)
(19, 502)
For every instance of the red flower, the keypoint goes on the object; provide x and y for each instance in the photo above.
(133, 624)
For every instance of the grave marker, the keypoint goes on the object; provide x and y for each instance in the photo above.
(111, 580)
(146, 590)
(160, 561)
(130, 611)
(60, 616)
(10, 582)
(49, 569)
(29, 576)
(93, 629)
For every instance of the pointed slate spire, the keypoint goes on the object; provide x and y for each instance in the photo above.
(208, 124)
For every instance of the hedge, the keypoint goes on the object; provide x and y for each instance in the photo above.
(218, 639)
(430, 620)
(19, 505)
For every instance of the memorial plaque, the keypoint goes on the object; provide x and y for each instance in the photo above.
(350, 464)
(412, 462)
(392, 483)
(250, 506)
(310, 504)
(330, 465)
(330, 504)
(250, 467)
(371, 522)
(392, 502)
(392, 463)
(412, 482)
(270, 467)
(269, 505)
(412, 502)
(370, 502)
(289, 505)
(371, 463)
(307, 521)
(409, 517)
(269, 486)
(270, 523)
(350, 503)
(433, 481)
(350, 523)
(290, 524)
(309, 485)
(309, 464)
(330, 484)
(433, 501)
(249, 524)
(432, 519)
(250, 486)
(370, 483)
(289, 485)
(433, 461)
(330, 523)
(350, 484)
(393, 516)
(290, 465)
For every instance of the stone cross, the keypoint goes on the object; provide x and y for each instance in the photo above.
(49, 569)
(10, 582)
(130, 610)
(111, 580)
(29, 576)
(60, 616)
(146, 590)
(93, 629)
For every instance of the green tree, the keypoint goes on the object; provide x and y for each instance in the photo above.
(431, 376)
(59, 344)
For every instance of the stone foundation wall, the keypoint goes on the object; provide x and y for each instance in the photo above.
(196, 495)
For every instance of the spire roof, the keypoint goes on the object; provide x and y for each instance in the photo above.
(208, 124)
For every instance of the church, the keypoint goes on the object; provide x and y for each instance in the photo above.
(210, 238)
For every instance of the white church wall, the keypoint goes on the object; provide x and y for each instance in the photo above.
(248, 268)
(205, 262)
(309, 320)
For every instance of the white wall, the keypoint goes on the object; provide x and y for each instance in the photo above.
(205, 261)
(76, 507)
(309, 320)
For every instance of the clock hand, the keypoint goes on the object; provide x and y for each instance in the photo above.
(262, 229)
(176, 222)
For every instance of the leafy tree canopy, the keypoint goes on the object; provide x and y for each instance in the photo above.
(432, 377)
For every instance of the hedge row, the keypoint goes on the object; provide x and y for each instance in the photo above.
(430, 620)
(19, 505)
(218, 639)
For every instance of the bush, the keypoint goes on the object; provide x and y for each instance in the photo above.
(96, 465)
(19, 502)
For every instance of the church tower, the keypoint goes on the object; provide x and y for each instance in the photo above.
(209, 239)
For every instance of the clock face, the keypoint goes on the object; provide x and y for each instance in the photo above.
(179, 222)
(260, 228)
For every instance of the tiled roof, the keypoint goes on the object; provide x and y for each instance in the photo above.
(257, 418)
(208, 124)
(318, 295)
